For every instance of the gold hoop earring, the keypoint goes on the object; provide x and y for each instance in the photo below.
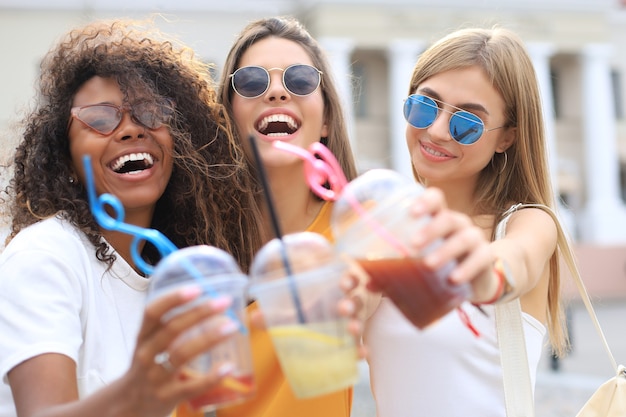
(506, 160)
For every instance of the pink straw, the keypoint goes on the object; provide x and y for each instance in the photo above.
(326, 169)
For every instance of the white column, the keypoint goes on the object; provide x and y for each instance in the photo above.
(605, 215)
(339, 51)
(540, 54)
(402, 55)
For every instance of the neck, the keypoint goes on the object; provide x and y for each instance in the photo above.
(121, 242)
(295, 205)
(459, 194)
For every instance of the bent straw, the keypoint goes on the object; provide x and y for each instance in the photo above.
(327, 169)
(276, 227)
(158, 239)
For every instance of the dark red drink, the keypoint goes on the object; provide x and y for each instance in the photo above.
(421, 294)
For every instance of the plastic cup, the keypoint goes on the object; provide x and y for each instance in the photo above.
(296, 283)
(218, 273)
(372, 224)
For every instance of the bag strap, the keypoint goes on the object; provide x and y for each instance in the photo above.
(518, 396)
(513, 353)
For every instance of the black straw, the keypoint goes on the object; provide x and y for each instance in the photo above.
(276, 227)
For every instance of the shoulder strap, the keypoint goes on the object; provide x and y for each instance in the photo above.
(512, 350)
(518, 396)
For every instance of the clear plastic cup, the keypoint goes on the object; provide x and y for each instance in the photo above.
(372, 224)
(296, 283)
(217, 273)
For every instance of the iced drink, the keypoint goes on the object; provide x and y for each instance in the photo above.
(299, 301)
(217, 273)
(372, 224)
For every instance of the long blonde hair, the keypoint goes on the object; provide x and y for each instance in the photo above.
(525, 178)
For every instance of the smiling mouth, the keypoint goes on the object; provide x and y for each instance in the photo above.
(277, 125)
(132, 163)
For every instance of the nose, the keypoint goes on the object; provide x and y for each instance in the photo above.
(440, 129)
(276, 89)
(130, 128)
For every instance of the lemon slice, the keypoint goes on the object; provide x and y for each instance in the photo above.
(235, 385)
(297, 331)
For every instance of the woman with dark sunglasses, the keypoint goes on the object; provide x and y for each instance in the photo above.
(276, 86)
(77, 337)
(475, 131)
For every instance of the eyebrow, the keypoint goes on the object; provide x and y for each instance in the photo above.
(463, 106)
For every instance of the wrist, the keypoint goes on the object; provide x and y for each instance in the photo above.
(505, 285)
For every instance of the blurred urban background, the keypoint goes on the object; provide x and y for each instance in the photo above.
(579, 51)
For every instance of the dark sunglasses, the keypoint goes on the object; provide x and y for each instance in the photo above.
(466, 128)
(253, 81)
(105, 118)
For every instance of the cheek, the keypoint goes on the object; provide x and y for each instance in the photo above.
(412, 137)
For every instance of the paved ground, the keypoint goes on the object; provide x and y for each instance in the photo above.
(563, 392)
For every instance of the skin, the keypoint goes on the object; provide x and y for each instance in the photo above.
(454, 168)
(291, 195)
(290, 191)
(45, 385)
(138, 192)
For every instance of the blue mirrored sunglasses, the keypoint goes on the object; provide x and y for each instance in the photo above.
(466, 128)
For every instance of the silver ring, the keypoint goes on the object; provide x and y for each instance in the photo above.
(163, 359)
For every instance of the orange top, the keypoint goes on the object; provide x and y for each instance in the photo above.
(274, 397)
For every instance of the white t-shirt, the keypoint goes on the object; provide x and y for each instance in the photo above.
(442, 370)
(56, 297)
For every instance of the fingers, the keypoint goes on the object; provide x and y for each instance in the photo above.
(163, 326)
(190, 384)
(256, 320)
(155, 310)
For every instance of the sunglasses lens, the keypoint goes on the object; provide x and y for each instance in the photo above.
(466, 128)
(103, 119)
(301, 80)
(250, 81)
(152, 115)
(420, 111)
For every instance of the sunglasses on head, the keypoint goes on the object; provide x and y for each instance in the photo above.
(105, 118)
(466, 128)
(253, 81)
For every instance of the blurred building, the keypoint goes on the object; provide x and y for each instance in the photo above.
(578, 47)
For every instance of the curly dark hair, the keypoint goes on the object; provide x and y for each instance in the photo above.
(208, 199)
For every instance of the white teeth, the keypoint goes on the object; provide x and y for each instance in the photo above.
(277, 118)
(433, 152)
(119, 162)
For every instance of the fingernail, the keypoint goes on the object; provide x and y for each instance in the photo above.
(229, 327)
(221, 302)
(190, 292)
(349, 307)
(225, 369)
(418, 207)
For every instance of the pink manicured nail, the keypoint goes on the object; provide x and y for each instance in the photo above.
(221, 302)
(190, 292)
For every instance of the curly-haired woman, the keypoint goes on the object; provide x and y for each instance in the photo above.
(77, 337)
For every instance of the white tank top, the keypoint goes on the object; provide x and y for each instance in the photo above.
(443, 370)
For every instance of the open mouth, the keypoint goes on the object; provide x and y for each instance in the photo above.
(277, 125)
(132, 163)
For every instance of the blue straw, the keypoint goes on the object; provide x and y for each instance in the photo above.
(276, 226)
(158, 239)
